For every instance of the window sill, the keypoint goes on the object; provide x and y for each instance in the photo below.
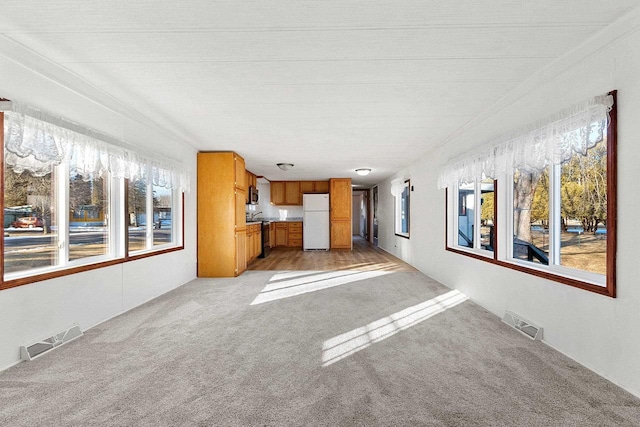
(52, 274)
(552, 276)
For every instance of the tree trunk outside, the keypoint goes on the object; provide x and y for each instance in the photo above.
(523, 191)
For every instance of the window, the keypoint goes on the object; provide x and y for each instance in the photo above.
(475, 226)
(30, 225)
(558, 204)
(89, 225)
(402, 209)
(73, 202)
(560, 215)
(150, 216)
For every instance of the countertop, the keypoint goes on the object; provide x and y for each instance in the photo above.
(274, 220)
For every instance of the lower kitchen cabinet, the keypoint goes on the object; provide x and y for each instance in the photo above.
(282, 234)
(253, 241)
(295, 235)
(241, 254)
(288, 234)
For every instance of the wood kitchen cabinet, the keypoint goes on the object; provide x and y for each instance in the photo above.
(340, 201)
(253, 241)
(314, 187)
(277, 192)
(282, 234)
(292, 193)
(251, 180)
(294, 238)
(221, 214)
(286, 193)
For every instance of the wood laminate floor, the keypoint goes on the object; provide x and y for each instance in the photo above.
(364, 257)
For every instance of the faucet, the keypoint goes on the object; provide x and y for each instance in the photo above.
(253, 216)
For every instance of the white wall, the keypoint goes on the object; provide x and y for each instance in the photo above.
(597, 331)
(356, 201)
(31, 311)
(268, 210)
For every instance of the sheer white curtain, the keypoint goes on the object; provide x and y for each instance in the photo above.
(553, 140)
(36, 142)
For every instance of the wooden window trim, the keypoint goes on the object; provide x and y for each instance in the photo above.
(21, 281)
(612, 203)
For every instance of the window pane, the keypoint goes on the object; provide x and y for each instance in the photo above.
(583, 195)
(531, 216)
(404, 210)
(30, 230)
(162, 206)
(466, 214)
(88, 217)
(137, 218)
(487, 201)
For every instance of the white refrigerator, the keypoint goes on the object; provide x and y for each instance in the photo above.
(315, 235)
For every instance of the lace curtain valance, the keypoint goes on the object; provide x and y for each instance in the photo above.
(551, 141)
(35, 141)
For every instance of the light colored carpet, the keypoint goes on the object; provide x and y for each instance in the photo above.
(313, 349)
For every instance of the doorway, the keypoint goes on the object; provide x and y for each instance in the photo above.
(374, 192)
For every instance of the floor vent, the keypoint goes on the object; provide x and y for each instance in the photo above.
(40, 347)
(522, 325)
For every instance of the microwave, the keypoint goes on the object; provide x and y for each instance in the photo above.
(253, 195)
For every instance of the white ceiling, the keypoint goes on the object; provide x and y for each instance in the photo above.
(330, 86)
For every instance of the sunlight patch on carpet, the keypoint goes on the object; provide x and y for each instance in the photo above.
(288, 284)
(344, 345)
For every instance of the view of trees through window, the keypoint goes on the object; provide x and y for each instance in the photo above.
(581, 195)
(141, 220)
(137, 209)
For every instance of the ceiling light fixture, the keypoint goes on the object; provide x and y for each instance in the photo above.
(284, 166)
(363, 171)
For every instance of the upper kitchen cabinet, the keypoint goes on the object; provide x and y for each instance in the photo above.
(292, 193)
(221, 219)
(286, 193)
(314, 187)
(251, 181)
(241, 174)
(320, 186)
(277, 193)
